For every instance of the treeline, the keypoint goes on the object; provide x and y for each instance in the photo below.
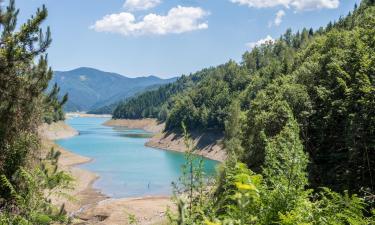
(155, 103)
(323, 80)
(27, 177)
(303, 122)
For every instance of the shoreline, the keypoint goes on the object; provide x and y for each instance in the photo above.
(91, 206)
(175, 143)
(149, 125)
(83, 114)
(209, 145)
(83, 191)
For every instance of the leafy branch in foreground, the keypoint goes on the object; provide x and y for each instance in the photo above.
(191, 191)
(29, 193)
(276, 196)
(25, 180)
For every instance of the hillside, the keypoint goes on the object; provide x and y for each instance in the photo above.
(90, 89)
(322, 80)
(296, 116)
(154, 103)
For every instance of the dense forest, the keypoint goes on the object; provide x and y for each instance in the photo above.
(298, 116)
(27, 176)
(299, 112)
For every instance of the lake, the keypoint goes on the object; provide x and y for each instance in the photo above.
(127, 168)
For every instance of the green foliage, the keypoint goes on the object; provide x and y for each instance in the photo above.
(233, 131)
(27, 194)
(25, 180)
(22, 85)
(337, 71)
(53, 106)
(330, 208)
(190, 191)
(323, 79)
(154, 103)
(243, 197)
(309, 94)
(206, 106)
(237, 197)
(284, 173)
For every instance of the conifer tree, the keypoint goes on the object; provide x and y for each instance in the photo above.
(22, 83)
(24, 78)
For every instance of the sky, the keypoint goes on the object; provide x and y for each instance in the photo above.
(167, 38)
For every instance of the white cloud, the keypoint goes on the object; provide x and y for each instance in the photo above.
(298, 5)
(315, 4)
(134, 5)
(266, 40)
(178, 20)
(279, 17)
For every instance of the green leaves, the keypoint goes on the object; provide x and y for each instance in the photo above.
(29, 191)
(24, 75)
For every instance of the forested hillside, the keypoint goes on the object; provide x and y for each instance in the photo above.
(298, 116)
(318, 84)
(300, 113)
(155, 103)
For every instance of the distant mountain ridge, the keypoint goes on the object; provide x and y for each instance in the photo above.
(89, 88)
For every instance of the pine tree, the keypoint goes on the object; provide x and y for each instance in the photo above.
(22, 83)
(24, 78)
(233, 130)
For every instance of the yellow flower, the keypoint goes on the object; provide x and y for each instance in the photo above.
(211, 223)
(245, 187)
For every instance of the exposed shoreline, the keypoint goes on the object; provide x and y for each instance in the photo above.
(149, 125)
(93, 207)
(82, 114)
(55, 131)
(209, 145)
(90, 205)
(83, 192)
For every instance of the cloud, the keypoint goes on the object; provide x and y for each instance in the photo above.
(299, 5)
(178, 20)
(315, 4)
(279, 17)
(266, 40)
(135, 5)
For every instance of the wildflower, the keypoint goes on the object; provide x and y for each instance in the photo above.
(245, 187)
(207, 222)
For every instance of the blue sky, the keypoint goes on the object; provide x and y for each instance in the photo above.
(170, 37)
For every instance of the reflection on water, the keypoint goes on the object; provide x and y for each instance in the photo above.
(126, 167)
(136, 135)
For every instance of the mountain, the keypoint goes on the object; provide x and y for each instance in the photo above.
(90, 88)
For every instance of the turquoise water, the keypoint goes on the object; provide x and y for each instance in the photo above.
(126, 167)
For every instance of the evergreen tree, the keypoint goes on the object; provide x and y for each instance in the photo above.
(24, 77)
(284, 172)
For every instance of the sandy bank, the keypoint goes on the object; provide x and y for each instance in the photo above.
(82, 191)
(89, 206)
(54, 131)
(150, 125)
(208, 144)
(146, 210)
(79, 114)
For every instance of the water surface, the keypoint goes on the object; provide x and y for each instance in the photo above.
(126, 167)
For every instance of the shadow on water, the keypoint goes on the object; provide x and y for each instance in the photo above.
(136, 135)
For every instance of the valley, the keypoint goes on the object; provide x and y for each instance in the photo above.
(91, 89)
(270, 121)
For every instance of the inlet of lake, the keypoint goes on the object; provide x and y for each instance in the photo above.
(126, 167)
